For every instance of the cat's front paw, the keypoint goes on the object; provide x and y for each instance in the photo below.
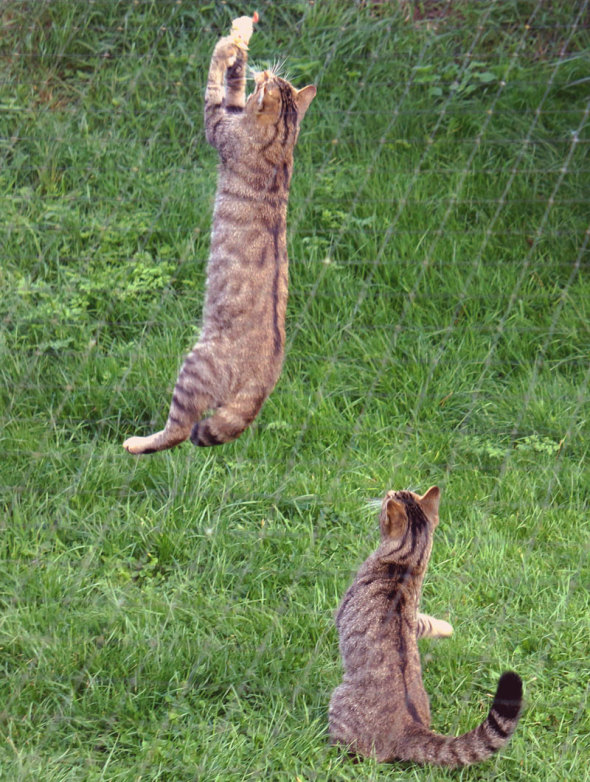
(441, 629)
(227, 51)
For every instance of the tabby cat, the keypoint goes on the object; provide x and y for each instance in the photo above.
(381, 708)
(237, 361)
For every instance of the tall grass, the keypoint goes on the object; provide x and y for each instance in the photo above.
(170, 618)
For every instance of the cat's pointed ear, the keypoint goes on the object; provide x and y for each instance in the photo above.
(429, 503)
(303, 98)
(393, 519)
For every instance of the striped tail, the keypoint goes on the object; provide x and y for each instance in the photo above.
(424, 746)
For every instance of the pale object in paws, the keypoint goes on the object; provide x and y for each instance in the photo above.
(242, 28)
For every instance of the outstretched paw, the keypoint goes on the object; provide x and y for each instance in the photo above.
(441, 629)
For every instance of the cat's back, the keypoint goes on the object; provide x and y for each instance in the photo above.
(249, 215)
(364, 711)
(247, 276)
(372, 608)
(381, 687)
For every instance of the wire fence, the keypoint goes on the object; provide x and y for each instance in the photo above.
(34, 226)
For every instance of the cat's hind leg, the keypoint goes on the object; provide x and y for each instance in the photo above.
(429, 627)
(159, 441)
(191, 399)
(230, 420)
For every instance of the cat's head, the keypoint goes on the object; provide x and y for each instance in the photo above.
(407, 522)
(276, 102)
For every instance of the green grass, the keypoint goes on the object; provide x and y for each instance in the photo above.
(170, 618)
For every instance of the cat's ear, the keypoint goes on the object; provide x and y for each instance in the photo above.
(393, 519)
(303, 98)
(429, 503)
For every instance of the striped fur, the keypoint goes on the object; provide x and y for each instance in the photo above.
(238, 359)
(381, 708)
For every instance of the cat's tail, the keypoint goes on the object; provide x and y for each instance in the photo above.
(424, 746)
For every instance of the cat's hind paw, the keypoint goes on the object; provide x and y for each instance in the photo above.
(138, 445)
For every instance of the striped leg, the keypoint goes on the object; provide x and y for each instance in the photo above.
(224, 56)
(235, 81)
(241, 32)
(190, 401)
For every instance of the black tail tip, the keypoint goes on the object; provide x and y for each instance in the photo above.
(508, 698)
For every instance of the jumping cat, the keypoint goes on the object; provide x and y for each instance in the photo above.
(381, 708)
(238, 359)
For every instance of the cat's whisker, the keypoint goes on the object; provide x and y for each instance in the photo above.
(257, 69)
(252, 72)
(278, 66)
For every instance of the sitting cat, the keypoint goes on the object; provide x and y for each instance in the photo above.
(237, 361)
(381, 708)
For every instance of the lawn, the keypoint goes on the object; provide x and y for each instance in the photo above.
(171, 617)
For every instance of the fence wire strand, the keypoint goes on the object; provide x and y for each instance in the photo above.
(429, 252)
